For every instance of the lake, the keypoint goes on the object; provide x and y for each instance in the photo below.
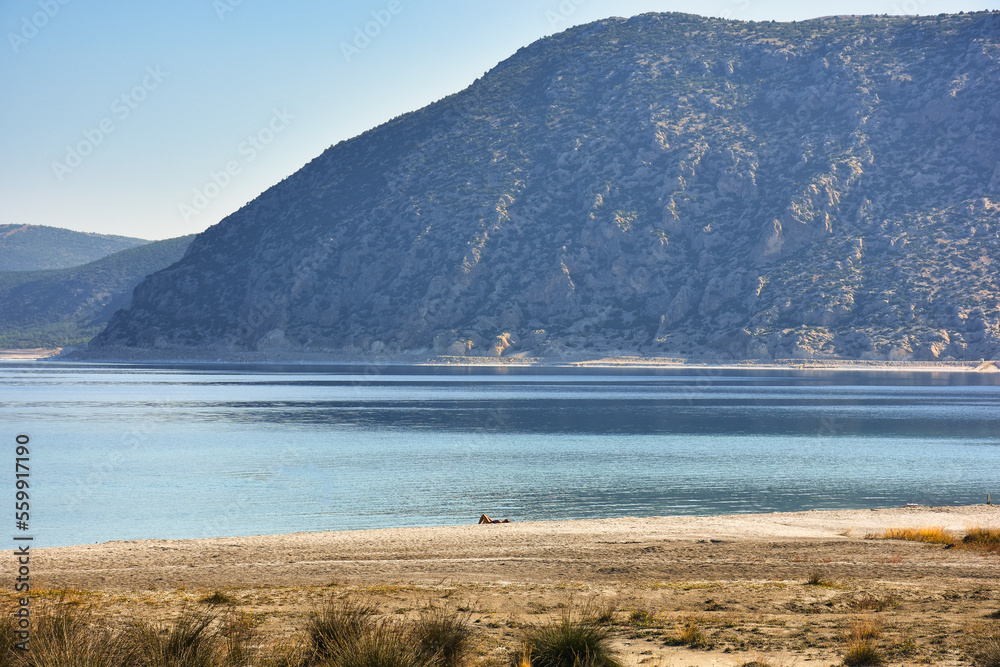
(126, 451)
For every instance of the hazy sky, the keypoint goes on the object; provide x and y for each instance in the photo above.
(159, 118)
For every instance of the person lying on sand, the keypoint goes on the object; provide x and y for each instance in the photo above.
(486, 519)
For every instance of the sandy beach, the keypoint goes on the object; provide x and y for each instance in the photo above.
(742, 579)
(31, 354)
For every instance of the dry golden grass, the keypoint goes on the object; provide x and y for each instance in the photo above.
(977, 538)
(928, 534)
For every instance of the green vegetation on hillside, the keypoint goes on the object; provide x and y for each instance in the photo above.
(37, 247)
(61, 307)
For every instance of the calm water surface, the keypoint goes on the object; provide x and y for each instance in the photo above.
(185, 451)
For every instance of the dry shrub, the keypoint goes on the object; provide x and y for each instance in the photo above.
(982, 539)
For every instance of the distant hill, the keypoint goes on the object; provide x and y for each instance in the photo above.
(665, 185)
(62, 307)
(37, 247)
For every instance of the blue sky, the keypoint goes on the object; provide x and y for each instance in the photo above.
(158, 119)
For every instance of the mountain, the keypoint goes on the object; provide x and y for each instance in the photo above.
(63, 307)
(37, 247)
(662, 185)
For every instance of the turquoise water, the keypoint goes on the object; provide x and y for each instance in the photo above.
(127, 452)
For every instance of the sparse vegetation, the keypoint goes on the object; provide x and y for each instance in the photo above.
(642, 618)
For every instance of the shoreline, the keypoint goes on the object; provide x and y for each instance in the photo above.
(596, 363)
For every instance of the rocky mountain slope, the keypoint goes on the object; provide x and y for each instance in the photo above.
(69, 306)
(662, 185)
(37, 247)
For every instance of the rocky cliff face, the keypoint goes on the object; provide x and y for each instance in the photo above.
(663, 185)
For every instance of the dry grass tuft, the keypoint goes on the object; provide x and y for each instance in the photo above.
(866, 628)
(568, 643)
(67, 637)
(604, 612)
(187, 643)
(442, 638)
(339, 624)
(689, 634)
(816, 578)
(861, 643)
(862, 652)
(218, 598)
(985, 652)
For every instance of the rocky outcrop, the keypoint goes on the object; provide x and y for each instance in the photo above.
(663, 185)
